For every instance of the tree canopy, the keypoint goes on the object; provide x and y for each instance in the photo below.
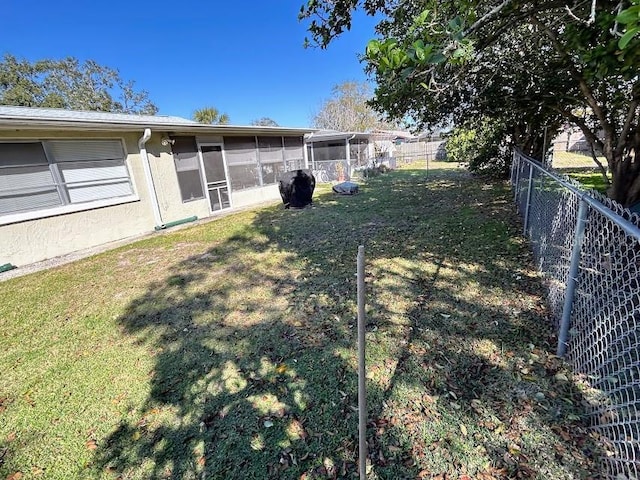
(70, 84)
(530, 65)
(265, 122)
(348, 110)
(210, 115)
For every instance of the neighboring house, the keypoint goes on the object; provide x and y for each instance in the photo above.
(571, 139)
(71, 180)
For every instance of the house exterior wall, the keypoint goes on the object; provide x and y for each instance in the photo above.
(45, 237)
(245, 198)
(166, 184)
(39, 239)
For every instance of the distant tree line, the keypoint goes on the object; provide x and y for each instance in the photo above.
(70, 84)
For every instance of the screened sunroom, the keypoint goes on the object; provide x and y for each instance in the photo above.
(335, 156)
(256, 161)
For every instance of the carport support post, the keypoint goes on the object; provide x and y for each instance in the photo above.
(362, 390)
(572, 279)
(348, 158)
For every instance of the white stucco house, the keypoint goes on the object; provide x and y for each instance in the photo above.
(71, 180)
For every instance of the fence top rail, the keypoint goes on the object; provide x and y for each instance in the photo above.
(584, 195)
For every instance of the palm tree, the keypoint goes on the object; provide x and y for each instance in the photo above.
(210, 115)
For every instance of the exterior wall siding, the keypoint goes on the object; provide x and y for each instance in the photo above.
(34, 240)
(166, 183)
(251, 196)
(43, 238)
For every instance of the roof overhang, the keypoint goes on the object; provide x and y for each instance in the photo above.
(82, 126)
(25, 118)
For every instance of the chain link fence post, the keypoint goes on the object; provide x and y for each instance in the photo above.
(572, 279)
(528, 204)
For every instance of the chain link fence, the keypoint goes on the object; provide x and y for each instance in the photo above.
(587, 249)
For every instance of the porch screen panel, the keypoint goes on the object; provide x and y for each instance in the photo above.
(242, 162)
(358, 152)
(293, 153)
(26, 181)
(271, 159)
(329, 151)
(187, 163)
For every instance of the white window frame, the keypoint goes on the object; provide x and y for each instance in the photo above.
(70, 207)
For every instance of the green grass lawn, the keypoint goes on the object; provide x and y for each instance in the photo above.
(227, 350)
(564, 160)
(582, 168)
(591, 180)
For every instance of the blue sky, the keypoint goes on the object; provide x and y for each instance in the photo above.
(244, 57)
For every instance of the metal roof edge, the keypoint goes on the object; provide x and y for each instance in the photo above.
(78, 120)
(14, 123)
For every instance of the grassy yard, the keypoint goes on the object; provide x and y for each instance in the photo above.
(592, 180)
(562, 160)
(227, 350)
(582, 168)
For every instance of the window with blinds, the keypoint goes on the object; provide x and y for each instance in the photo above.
(44, 174)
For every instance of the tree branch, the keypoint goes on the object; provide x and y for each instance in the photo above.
(603, 170)
(592, 16)
(582, 84)
(487, 17)
(628, 123)
(591, 137)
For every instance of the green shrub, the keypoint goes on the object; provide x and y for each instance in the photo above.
(483, 146)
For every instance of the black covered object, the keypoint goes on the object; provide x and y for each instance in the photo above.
(296, 188)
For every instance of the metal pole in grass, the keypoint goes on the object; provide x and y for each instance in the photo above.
(426, 154)
(362, 390)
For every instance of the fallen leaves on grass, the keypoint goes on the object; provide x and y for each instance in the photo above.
(91, 444)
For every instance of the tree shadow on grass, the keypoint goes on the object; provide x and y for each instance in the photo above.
(254, 348)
